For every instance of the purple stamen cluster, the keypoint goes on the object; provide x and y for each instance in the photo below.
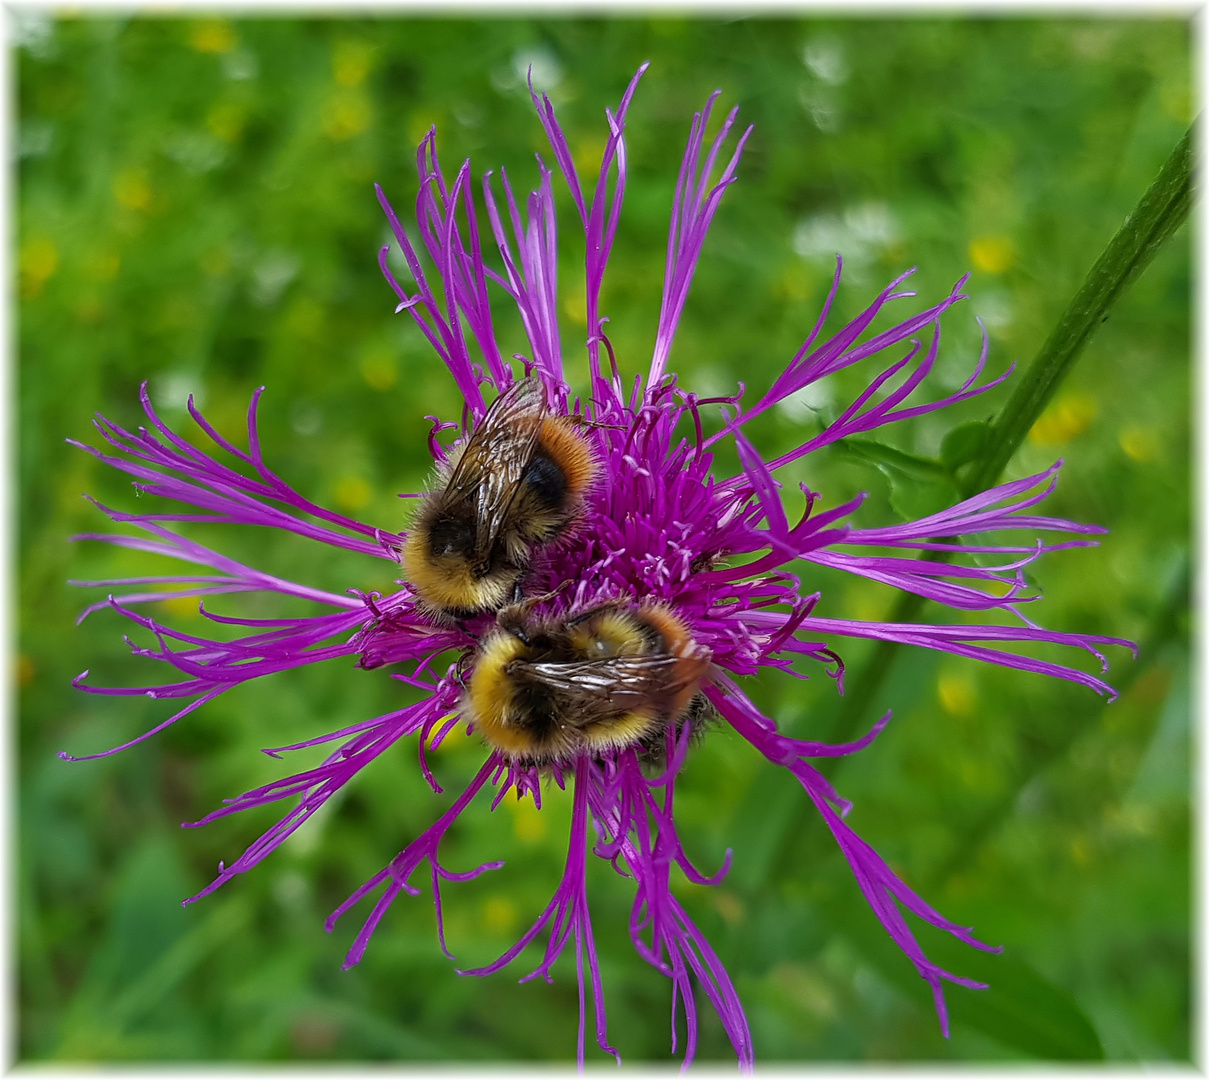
(658, 524)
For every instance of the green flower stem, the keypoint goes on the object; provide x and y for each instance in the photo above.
(1162, 209)
(1160, 212)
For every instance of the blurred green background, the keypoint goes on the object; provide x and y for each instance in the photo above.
(195, 208)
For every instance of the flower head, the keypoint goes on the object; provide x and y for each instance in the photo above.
(658, 529)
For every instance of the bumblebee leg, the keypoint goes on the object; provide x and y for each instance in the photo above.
(527, 603)
(463, 663)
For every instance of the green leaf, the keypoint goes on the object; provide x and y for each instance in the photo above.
(964, 443)
(918, 499)
(918, 486)
(892, 461)
(1020, 1008)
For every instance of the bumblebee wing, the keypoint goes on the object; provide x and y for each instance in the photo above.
(503, 441)
(496, 456)
(607, 688)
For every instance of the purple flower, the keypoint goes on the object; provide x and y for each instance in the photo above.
(658, 525)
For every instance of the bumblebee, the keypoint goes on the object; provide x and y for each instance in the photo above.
(610, 677)
(515, 483)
